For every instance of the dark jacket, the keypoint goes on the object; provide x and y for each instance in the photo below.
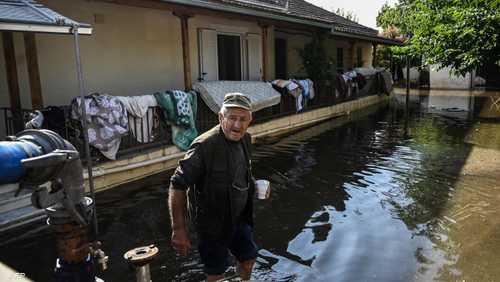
(210, 198)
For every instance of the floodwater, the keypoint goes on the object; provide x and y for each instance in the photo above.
(374, 196)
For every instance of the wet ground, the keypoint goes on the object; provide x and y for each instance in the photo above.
(376, 196)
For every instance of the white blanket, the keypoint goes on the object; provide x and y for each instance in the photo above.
(261, 94)
(140, 124)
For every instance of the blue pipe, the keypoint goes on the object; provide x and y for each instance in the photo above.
(11, 154)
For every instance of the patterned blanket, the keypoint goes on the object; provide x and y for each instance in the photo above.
(106, 119)
(179, 109)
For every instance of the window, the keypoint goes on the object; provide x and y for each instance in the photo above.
(280, 58)
(340, 60)
(359, 57)
(229, 56)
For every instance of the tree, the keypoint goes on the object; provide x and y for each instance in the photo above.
(460, 34)
(347, 14)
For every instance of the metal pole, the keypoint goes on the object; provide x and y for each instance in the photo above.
(407, 111)
(142, 274)
(407, 82)
(85, 128)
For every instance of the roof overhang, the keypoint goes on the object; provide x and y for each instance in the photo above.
(249, 12)
(39, 28)
(374, 39)
(273, 16)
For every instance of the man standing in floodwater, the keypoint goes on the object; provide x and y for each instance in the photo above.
(216, 174)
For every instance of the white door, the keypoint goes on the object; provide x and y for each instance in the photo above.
(207, 52)
(254, 56)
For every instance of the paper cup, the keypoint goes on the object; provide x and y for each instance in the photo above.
(262, 186)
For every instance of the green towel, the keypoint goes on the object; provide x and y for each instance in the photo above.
(179, 109)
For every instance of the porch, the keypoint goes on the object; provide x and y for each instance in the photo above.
(148, 46)
(58, 119)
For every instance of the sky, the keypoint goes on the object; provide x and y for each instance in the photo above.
(365, 10)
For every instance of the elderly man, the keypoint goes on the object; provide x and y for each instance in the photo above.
(215, 181)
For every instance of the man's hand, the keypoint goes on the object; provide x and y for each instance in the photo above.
(180, 241)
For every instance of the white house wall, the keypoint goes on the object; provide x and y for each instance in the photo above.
(444, 79)
(133, 51)
(221, 25)
(295, 41)
(351, 56)
(367, 53)
(22, 72)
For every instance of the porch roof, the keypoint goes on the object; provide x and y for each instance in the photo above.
(29, 15)
(297, 11)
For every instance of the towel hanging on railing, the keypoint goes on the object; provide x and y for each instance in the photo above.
(179, 110)
(140, 119)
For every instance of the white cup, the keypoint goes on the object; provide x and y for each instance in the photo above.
(262, 186)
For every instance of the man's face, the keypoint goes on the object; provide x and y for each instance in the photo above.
(234, 123)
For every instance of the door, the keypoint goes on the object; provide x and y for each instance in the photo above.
(229, 56)
(207, 50)
(280, 60)
(254, 56)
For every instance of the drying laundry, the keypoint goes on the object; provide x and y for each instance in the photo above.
(307, 88)
(141, 115)
(107, 121)
(179, 110)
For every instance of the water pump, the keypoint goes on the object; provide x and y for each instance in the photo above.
(50, 167)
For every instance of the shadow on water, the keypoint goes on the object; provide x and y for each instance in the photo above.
(365, 197)
(320, 186)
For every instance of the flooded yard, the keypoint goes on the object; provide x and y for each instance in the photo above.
(373, 196)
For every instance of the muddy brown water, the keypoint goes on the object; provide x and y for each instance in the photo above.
(373, 196)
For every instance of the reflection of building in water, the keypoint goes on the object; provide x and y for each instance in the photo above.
(478, 103)
(454, 103)
(451, 102)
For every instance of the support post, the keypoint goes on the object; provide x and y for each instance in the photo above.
(407, 82)
(374, 55)
(391, 66)
(264, 50)
(12, 80)
(33, 70)
(351, 50)
(185, 48)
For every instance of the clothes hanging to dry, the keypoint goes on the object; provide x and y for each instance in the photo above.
(107, 121)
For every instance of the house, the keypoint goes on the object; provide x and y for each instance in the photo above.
(144, 46)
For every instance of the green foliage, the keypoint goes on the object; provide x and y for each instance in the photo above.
(460, 34)
(383, 57)
(314, 59)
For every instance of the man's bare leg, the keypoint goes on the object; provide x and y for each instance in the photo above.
(244, 269)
